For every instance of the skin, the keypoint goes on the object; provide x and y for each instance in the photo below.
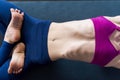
(17, 61)
(75, 40)
(12, 35)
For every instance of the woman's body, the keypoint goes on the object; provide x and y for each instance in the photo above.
(70, 40)
(75, 40)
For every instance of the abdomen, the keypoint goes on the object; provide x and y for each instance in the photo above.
(72, 40)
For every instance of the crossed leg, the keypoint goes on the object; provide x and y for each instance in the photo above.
(12, 35)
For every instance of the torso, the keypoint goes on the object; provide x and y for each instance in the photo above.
(72, 40)
(76, 40)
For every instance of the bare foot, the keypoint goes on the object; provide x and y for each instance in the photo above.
(12, 35)
(17, 61)
(13, 31)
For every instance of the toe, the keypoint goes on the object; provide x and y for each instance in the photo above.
(13, 72)
(16, 10)
(15, 69)
(10, 70)
(19, 70)
(12, 10)
(16, 72)
(22, 13)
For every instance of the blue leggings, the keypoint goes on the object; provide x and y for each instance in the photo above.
(34, 34)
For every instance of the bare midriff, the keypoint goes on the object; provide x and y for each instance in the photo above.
(73, 40)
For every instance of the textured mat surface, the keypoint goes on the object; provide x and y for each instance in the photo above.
(65, 11)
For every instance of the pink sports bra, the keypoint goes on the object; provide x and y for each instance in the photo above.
(104, 50)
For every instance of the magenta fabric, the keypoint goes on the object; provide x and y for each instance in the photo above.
(104, 50)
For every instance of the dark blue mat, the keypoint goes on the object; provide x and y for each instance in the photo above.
(65, 11)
